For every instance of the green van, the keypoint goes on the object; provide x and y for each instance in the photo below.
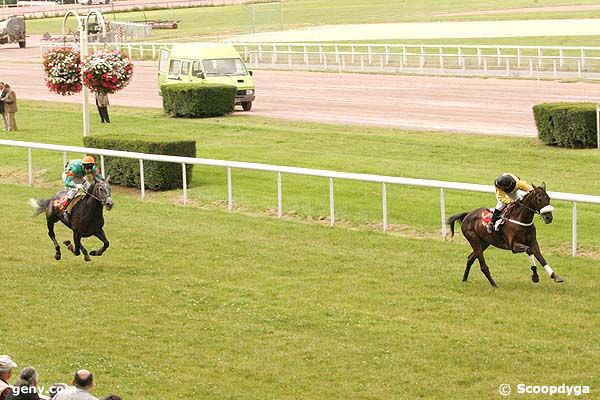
(207, 63)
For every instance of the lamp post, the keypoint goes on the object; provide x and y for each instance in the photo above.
(83, 44)
(82, 26)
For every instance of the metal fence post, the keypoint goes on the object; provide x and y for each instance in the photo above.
(102, 166)
(184, 178)
(598, 126)
(574, 248)
(142, 183)
(279, 196)
(384, 206)
(331, 203)
(443, 213)
(229, 190)
(30, 166)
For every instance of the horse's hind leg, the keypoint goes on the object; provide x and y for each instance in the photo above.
(534, 276)
(102, 236)
(478, 249)
(52, 235)
(470, 260)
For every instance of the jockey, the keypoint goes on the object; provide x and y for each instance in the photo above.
(74, 178)
(509, 188)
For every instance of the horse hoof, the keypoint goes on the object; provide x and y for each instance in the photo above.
(57, 257)
(67, 242)
(535, 278)
(94, 253)
(87, 258)
(558, 279)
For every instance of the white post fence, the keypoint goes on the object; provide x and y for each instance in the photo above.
(280, 170)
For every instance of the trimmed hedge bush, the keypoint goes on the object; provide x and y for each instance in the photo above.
(566, 124)
(195, 100)
(157, 175)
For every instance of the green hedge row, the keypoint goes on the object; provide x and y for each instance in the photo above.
(195, 100)
(157, 175)
(566, 124)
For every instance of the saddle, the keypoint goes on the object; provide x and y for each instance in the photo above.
(486, 215)
(63, 203)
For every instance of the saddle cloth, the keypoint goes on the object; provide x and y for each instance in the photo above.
(486, 217)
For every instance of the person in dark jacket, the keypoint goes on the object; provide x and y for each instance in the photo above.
(2, 94)
(26, 386)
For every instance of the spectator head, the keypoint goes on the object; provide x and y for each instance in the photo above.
(113, 397)
(83, 379)
(6, 367)
(55, 388)
(6, 86)
(28, 377)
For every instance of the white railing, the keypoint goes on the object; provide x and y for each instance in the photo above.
(508, 61)
(280, 170)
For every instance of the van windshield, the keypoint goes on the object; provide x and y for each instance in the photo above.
(224, 67)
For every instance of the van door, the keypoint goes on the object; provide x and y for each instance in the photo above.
(185, 71)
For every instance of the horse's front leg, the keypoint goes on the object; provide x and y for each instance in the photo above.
(102, 236)
(52, 235)
(79, 246)
(535, 249)
(534, 276)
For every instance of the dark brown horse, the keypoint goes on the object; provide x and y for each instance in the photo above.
(517, 233)
(86, 218)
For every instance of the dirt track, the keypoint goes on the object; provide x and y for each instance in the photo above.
(492, 106)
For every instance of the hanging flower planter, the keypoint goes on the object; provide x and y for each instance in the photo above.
(63, 71)
(106, 71)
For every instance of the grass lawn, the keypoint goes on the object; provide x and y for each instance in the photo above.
(231, 20)
(242, 137)
(201, 304)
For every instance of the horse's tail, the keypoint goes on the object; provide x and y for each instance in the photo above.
(454, 218)
(39, 205)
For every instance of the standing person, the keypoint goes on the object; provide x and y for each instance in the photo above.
(6, 367)
(83, 382)
(509, 188)
(2, 93)
(26, 387)
(10, 107)
(102, 104)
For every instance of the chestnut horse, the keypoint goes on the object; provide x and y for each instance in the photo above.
(517, 233)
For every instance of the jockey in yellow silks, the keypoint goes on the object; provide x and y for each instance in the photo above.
(509, 188)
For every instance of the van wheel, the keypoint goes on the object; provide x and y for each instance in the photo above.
(247, 105)
(22, 43)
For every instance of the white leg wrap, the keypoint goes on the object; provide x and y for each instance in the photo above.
(532, 261)
(549, 270)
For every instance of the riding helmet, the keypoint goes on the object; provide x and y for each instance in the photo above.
(88, 161)
(506, 183)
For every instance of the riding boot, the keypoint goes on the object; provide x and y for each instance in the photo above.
(492, 223)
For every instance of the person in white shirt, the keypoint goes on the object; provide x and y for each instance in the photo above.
(83, 383)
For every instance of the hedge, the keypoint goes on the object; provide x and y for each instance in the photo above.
(195, 100)
(566, 124)
(157, 175)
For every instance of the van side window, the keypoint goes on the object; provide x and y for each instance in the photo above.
(174, 67)
(185, 68)
(195, 68)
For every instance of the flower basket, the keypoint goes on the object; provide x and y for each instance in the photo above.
(63, 71)
(106, 71)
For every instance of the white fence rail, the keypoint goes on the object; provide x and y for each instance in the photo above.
(507, 61)
(280, 170)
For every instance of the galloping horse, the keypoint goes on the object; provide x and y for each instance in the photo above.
(516, 234)
(86, 218)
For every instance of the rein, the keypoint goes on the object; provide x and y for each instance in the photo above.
(543, 210)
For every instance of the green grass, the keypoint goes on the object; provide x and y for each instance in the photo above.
(231, 20)
(412, 211)
(202, 304)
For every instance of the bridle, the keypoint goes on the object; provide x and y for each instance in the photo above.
(102, 202)
(546, 209)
